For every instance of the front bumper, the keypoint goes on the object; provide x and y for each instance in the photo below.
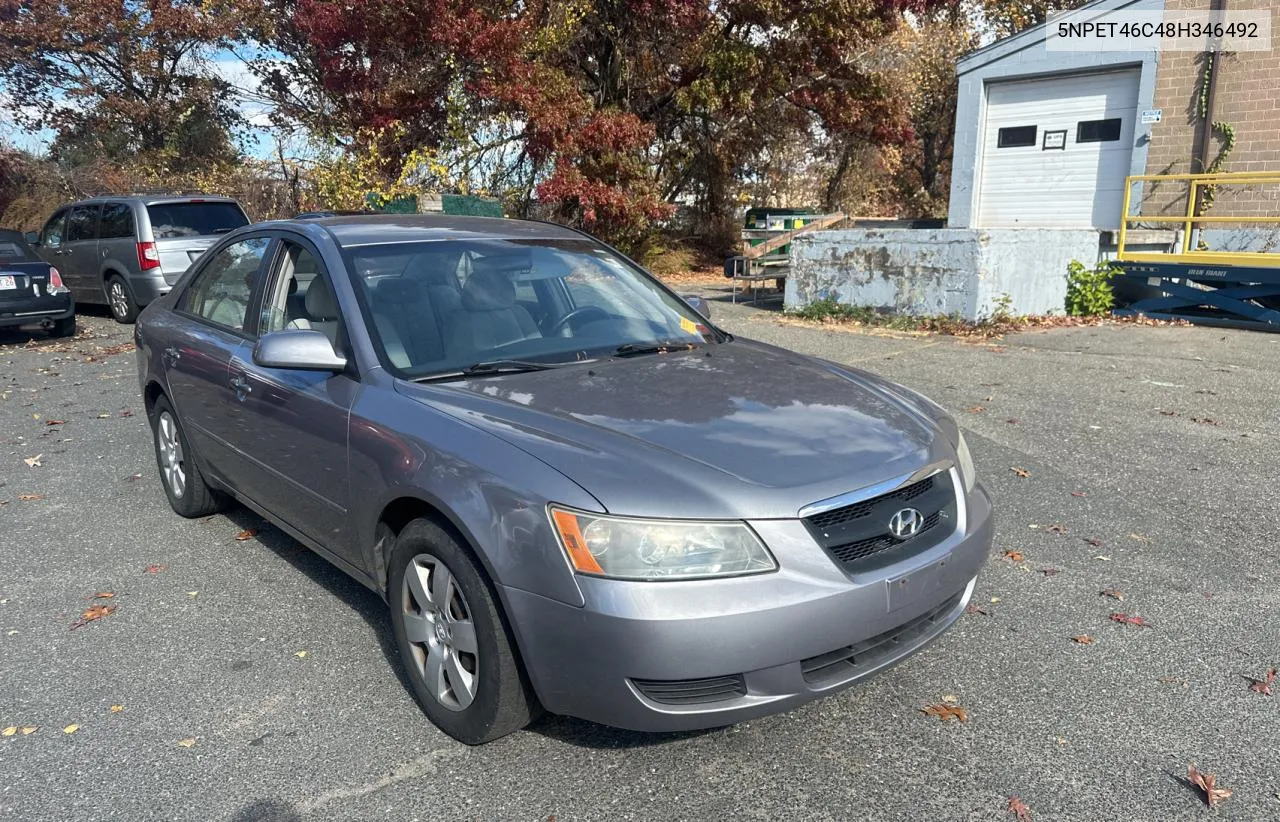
(698, 654)
(34, 310)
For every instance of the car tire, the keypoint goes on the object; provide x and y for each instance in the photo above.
(120, 300)
(465, 675)
(65, 327)
(189, 495)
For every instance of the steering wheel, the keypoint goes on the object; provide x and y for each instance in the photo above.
(562, 325)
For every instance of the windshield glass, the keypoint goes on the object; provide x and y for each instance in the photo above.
(442, 306)
(194, 219)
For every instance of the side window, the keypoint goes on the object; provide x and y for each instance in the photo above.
(55, 231)
(220, 292)
(83, 223)
(117, 221)
(301, 296)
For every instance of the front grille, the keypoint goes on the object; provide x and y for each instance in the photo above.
(859, 531)
(692, 691)
(846, 662)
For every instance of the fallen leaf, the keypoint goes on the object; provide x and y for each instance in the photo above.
(126, 413)
(301, 654)
(1082, 639)
(95, 613)
(193, 594)
(70, 729)
(1094, 541)
(1104, 559)
(1050, 571)
(1205, 421)
(133, 478)
(946, 713)
(103, 595)
(1015, 556)
(155, 569)
(1057, 529)
(186, 743)
(33, 462)
(1207, 783)
(55, 422)
(1113, 593)
(1139, 537)
(104, 416)
(1019, 809)
(1012, 421)
(115, 709)
(1169, 680)
(1128, 619)
(950, 698)
(9, 731)
(29, 497)
(976, 409)
(977, 609)
(1022, 472)
(246, 534)
(1263, 686)
(27, 730)
(1079, 494)
(995, 600)
(1168, 413)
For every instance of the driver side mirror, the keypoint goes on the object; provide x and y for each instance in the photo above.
(698, 304)
(32, 237)
(298, 349)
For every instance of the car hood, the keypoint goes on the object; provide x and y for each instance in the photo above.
(741, 429)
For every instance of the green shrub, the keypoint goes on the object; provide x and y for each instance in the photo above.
(1089, 289)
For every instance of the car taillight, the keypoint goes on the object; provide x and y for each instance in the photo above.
(148, 256)
(56, 285)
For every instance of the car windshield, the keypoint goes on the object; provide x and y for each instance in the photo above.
(442, 307)
(194, 219)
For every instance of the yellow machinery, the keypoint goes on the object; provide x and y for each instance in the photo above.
(1201, 284)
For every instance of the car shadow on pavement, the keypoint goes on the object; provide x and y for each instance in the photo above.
(267, 810)
(33, 335)
(583, 734)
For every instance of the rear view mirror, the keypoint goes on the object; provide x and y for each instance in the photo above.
(298, 349)
(698, 304)
(32, 237)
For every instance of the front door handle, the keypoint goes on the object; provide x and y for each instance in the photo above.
(242, 387)
(171, 356)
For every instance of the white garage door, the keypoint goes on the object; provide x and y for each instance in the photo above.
(1055, 151)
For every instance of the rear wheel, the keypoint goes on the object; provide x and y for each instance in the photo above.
(184, 485)
(454, 645)
(123, 307)
(64, 327)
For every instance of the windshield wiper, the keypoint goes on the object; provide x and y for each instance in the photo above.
(492, 367)
(640, 349)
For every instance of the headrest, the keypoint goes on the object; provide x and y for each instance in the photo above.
(400, 290)
(320, 303)
(487, 290)
(434, 268)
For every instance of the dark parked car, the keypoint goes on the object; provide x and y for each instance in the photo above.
(31, 290)
(574, 492)
(123, 252)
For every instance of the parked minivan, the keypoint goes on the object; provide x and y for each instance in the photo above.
(126, 251)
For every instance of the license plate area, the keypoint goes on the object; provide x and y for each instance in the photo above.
(7, 282)
(921, 583)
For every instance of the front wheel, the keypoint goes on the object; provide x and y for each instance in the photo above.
(189, 495)
(120, 299)
(456, 651)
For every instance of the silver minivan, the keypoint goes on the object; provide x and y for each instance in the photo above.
(126, 251)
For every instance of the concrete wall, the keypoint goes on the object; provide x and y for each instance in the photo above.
(939, 271)
(1021, 57)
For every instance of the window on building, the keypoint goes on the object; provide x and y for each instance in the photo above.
(1016, 137)
(1098, 131)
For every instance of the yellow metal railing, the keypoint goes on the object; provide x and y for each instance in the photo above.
(1190, 219)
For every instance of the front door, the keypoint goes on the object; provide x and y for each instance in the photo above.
(293, 423)
(80, 254)
(209, 327)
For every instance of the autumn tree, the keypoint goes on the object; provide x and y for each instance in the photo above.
(113, 76)
(1005, 17)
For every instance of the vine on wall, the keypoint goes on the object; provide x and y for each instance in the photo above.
(1226, 133)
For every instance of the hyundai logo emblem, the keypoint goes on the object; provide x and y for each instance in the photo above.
(906, 523)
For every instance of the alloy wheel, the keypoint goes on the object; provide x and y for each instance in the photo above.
(441, 633)
(118, 298)
(171, 456)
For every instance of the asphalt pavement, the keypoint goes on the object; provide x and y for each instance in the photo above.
(255, 682)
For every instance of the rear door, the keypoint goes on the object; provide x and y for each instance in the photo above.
(210, 326)
(79, 268)
(184, 229)
(117, 233)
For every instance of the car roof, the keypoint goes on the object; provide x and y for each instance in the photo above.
(398, 228)
(152, 199)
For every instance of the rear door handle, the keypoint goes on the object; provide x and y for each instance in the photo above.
(242, 387)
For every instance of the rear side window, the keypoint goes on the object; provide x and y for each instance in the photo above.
(173, 220)
(220, 292)
(117, 221)
(83, 223)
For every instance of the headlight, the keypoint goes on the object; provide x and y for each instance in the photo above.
(964, 460)
(623, 548)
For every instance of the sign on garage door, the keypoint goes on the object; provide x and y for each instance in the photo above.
(1055, 151)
